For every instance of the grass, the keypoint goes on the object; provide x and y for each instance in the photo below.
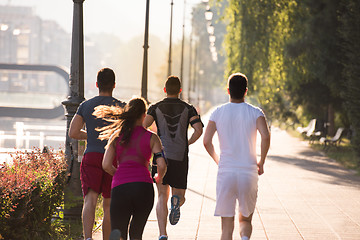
(342, 153)
(72, 229)
(99, 214)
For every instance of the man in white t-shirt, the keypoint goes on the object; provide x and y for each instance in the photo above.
(237, 123)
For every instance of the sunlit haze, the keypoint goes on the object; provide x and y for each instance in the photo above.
(125, 19)
(114, 30)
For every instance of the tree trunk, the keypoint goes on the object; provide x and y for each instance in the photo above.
(331, 120)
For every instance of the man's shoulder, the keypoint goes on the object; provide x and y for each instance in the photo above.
(90, 104)
(166, 101)
(189, 105)
(220, 107)
(155, 104)
(228, 107)
(118, 102)
(253, 107)
(90, 100)
(178, 103)
(104, 100)
(86, 102)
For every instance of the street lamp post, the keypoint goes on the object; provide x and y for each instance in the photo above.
(145, 59)
(210, 28)
(170, 43)
(195, 77)
(208, 14)
(190, 59)
(76, 83)
(182, 46)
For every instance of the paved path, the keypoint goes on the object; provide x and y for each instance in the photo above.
(302, 195)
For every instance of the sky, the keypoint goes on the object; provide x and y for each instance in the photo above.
(124, 18)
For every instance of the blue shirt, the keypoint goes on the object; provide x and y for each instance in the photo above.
(86, 110)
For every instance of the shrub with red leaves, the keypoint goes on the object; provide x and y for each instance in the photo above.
(31, 187)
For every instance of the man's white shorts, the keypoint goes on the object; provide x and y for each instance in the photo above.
(232, 185)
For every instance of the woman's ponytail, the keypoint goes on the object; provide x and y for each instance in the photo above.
(123, 120)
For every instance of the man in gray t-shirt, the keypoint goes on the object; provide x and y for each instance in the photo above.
(172, 117)
(94, 179)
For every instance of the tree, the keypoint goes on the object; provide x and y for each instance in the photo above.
(313, 58)
(290, 52)
(350, 33)
(257, 32)
(301, 57)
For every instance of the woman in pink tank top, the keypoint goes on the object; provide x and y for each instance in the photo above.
(132, 193)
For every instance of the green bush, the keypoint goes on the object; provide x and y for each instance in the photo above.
(31, 188)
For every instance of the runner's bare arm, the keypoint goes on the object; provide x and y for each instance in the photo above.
(198, 130)
(75, 129)
(208, 144)
(148, 121)
(107, 163)
(263, 129)
(156, 147)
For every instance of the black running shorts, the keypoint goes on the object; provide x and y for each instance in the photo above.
(176, 174)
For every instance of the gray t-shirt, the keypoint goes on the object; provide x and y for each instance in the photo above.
(172, 117)
(85, 110)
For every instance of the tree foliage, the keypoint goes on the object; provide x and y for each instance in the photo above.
(350, 33)
(257, 31)
(301, 57)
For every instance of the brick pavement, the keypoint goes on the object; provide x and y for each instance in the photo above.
(302, 195)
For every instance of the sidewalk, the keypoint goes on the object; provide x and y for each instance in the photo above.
(302, 195)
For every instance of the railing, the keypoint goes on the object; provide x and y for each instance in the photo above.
(34, 112)
(23, 135)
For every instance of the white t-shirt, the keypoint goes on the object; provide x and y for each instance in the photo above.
(236, 128)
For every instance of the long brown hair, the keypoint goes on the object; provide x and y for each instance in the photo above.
(123, 120)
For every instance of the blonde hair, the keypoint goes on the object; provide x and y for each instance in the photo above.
(122, 120)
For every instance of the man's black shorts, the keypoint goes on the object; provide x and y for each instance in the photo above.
(176, 174)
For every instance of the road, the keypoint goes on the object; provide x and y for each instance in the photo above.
(302, 195)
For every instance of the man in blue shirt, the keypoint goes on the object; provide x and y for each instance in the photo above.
(94, 179)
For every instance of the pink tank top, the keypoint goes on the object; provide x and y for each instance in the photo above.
(133, 159)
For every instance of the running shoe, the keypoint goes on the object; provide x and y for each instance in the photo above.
(174, 215)
(163, 237)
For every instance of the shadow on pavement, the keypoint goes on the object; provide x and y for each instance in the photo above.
(315, 162)
(200, 194)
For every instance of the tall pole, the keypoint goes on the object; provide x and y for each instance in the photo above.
(170, 42)
(182, 46)
(73, 192)
(196, 84)
(190, 60)
(195, 67)
(145, 60)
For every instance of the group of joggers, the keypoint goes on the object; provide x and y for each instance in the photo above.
(123, 159)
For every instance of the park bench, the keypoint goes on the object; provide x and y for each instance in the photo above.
(334, 140)
(308, 128)
(313, 135)
(309, 132)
